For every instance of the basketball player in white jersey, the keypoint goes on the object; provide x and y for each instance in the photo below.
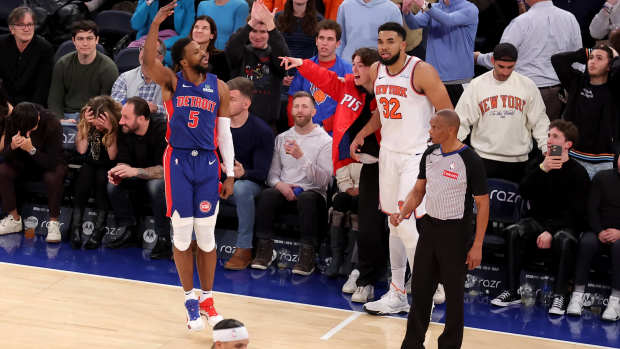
(408, 91)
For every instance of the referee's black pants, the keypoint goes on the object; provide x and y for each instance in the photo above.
(373, 237)
(440, 257)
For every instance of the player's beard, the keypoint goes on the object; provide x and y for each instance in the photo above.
(389, 61)
(201, 69)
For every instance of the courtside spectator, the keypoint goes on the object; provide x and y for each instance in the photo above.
(604, 216)
(82, 74)
(31, 145)
(504, 110)
(136, 82)
(229, 16)
(96, 139)
(539, 33)
(344, 220)
(177, 26)
(326, 42)
(592, 104)
(230, 334)
(451, 26)
(556, 189)
(204, 32)
(253, 141)
(360, 19)
(253, 53)
(607, 19)
(301, 170)
(141, 145)
(26, 62)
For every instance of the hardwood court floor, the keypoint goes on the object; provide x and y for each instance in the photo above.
(46, 308)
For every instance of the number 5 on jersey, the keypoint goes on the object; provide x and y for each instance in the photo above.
(193, 119)
(390, 108)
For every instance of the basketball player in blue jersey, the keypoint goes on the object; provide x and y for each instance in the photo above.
(198, 123)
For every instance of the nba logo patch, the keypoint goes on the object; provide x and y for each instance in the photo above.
(205, 206)
(208, 89)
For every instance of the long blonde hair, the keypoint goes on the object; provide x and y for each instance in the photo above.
(100, 105)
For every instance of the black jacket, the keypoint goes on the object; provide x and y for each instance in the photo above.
(260, 66)
(573, 80)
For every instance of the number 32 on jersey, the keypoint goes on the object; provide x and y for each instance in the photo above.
(390, 108)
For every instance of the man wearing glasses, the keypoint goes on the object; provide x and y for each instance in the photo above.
(26, 61)
(80, 75)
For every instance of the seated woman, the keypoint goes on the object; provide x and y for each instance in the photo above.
(96, 138)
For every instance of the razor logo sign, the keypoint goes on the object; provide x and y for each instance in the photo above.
(505, 196)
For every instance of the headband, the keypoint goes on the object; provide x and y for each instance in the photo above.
(230, 334)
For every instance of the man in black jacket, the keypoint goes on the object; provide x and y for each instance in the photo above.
(26, 62)
(253, 53)
(592, 104)
(556, 189)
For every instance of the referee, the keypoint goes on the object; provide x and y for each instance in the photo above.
(452, 176)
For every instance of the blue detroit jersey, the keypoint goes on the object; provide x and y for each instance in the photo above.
(192, 114)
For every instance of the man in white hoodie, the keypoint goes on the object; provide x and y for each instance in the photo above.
(503, 110)
(301, 170)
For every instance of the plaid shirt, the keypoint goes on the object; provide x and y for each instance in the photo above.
(147, 91)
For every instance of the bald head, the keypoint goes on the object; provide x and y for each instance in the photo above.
(450, 117)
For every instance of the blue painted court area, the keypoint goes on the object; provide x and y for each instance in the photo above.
(280, 284)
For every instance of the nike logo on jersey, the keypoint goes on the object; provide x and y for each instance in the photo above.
(186, 85)
(211, 162)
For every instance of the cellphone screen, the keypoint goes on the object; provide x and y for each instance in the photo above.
(555, 150)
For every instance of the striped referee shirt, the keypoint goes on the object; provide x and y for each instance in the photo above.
(452, 180)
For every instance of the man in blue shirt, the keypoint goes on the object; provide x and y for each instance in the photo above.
(452, 26)
(253, 140)
(327, 41)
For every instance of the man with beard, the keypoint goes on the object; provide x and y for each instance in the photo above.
(141, 144)
(407, 91)
(197, 103)
(301, 170)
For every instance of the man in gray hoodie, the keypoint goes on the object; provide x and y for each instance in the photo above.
(301, 170)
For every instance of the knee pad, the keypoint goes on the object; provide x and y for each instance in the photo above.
(181, 231)
(205, 231)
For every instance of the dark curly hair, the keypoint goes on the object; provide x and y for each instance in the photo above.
(287, 22)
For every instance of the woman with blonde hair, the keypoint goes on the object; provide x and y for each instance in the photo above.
(96, 139)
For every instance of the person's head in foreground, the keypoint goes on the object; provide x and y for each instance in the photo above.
(230, 334)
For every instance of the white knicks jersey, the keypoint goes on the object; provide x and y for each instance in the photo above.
(405, 113)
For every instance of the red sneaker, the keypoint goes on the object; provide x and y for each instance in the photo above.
(208, 309)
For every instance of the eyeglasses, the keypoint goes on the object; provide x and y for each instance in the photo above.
(22, 26)
(88, 38)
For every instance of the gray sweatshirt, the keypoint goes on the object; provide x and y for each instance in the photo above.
(313, 171)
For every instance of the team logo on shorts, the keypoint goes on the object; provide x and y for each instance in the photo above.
(205, 206)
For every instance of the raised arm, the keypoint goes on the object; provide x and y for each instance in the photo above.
(151, 65)
(326, 80)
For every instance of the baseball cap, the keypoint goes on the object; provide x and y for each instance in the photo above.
(505, 52)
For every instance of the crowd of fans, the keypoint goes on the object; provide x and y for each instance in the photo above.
(545, 116)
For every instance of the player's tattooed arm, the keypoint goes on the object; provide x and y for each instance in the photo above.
(153, 172)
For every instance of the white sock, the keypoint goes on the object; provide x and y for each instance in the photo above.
(190, 295)
(205, 294)
(398, 262)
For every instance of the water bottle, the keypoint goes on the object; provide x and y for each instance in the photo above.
(546, 296)
(597, 303)
(473, 285)
(528, 295)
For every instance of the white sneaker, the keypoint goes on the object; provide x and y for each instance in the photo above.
(8, 225)
(612, 312)
(351, 285)
(393, 302)
(363, 294)
(53, 232)
(440, 296)
(575, 306)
